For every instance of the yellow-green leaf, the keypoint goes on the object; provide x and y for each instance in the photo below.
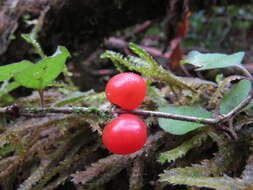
(45, 71)
(7, 71)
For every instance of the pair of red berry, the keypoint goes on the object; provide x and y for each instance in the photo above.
(127, 133)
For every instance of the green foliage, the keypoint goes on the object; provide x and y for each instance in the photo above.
(75, 96)
(234, 96)
(215, 166)
(177, 127)
(207, 173)
(45, 71)
(207, 61)
(223, 85)
(8, 87)
(6, 100)
(50, 150)
(181, 150)
(216, 29)
(7, 71)
(31, 75)
(145, 65)
(222, 183)
(142, 54)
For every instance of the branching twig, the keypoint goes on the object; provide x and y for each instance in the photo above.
(207, 121)
(15, 111)
(239, 107)
(245, 71)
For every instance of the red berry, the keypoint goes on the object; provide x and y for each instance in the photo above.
(125, 134)
(127, 90)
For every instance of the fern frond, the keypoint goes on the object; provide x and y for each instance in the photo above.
(217, 165)
(198, 174)
(213, 167)
(220, 183)
(181, 150)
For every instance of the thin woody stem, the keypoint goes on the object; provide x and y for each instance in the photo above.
(245, 71)
(41, 94)
(15, 110)
(85, 110)
(238, 108)
(207, 121)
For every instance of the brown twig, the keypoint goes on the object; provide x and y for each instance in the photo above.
(117, 43)
(245, 71)
(207, 121)
(41, 94)
(14, 110)
(239, 107)
(140, 28)
(85, 110)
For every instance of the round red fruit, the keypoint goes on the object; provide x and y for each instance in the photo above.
(125, 135)
(127, 90)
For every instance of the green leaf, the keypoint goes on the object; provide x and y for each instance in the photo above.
(146, 66)
(7, 71)
(181, 127)
(213, 60)
(235, 96)
(72, 98)
(8, 88)
(45, 71)
(6, 100)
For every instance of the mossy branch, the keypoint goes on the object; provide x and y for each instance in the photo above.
(16, 111)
